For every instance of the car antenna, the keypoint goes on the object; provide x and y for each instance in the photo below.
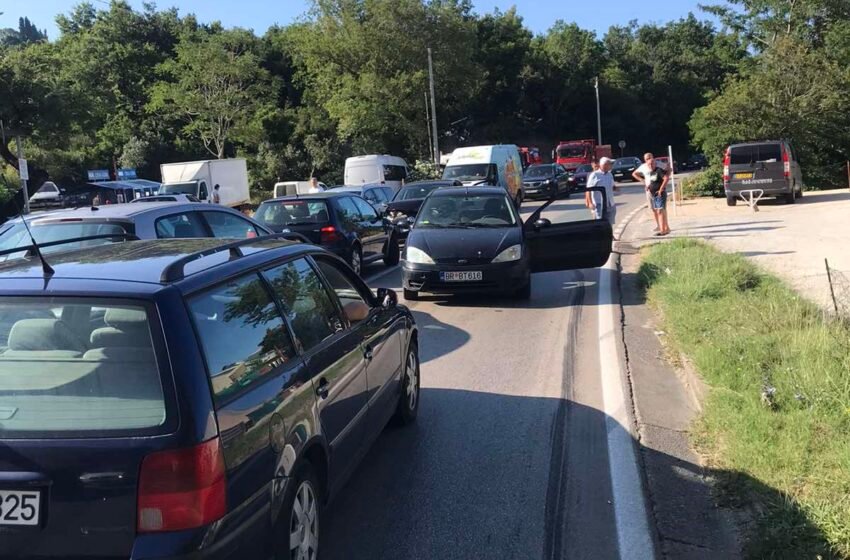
(45, 266)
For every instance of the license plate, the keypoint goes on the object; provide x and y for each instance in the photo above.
(19, 508)
(470, 276)
(743, 175)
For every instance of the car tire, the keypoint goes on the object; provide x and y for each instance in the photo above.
(306, 491)
(523, 293)
(791, 197)
(410, 295)
(355, 259)
(392, 253)
(408, 399)
(731, 201)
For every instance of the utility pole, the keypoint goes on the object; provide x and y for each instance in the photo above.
(428, 127)
(24, 175)
(433, 110)
(598, 113)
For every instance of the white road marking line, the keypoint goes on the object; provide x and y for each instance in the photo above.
(381, 274)
(633, 536)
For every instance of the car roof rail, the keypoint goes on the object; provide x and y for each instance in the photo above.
(30, 249)
(175, 271)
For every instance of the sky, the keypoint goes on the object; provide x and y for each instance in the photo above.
(258, 15)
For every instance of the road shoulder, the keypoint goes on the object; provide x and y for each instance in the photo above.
(687, 521)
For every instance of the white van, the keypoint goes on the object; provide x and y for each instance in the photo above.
(488, 165)
(290, 188)
(375, 169)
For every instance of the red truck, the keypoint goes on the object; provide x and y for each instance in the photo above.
(530, 156)
(573, 153)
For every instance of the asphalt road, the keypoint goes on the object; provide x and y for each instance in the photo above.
(509, 457)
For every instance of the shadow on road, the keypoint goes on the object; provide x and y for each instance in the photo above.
(831, 197)
(472, 479)
(437, 338)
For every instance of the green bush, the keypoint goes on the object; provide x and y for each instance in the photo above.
(705, 183)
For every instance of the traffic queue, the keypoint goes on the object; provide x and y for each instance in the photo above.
(183, 381)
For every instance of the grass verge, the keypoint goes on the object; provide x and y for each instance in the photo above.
(776, 424)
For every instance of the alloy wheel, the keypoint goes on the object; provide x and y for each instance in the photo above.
(412, 388)
(356, 260)
(304, 524)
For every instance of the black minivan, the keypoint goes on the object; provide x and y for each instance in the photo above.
(339, 221)
(190, 398)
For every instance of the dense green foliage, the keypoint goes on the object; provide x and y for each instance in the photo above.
(120, 86)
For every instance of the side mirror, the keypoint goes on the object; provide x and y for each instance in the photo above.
(542, 223)
(387, 297)
(356, 311)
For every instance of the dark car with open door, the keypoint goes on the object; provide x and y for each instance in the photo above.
(402, 210)
(474, 241)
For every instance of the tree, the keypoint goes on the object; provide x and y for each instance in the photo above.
(370, 83)
(26, 34)
(216, 86)
(793, 92)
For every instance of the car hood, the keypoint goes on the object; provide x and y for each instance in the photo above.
(448, 244)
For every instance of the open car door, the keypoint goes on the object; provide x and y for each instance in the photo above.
(567, 246)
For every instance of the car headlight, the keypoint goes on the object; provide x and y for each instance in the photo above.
(417, 256)
(512, 253)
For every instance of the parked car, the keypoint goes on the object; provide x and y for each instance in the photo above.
(338, 220)
(47, 195)
(545, 180)
(664, 162)
(401, 211)
(770, 165)
(624, 167)
(695, 163)
(167, 198)
(474, 241)
(376, 195)
(578, 180)
(119, 222)
(190, 398)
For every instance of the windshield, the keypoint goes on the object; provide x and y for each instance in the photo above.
(622, 162)
(416, 192)
(292, 213)
(572, 151)
(179, 188)
(17, 236)
(471, 172)
(492, 210)
(537, 171)
(587, 168)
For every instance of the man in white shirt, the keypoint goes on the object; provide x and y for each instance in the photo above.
(593, 200)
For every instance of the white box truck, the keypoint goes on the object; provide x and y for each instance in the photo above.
(497, 166)
(199, 178)
(290, 188)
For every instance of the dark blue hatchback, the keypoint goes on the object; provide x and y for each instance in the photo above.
(189, 398)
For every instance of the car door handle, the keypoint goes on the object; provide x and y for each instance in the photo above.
(368, 353)
(323, 388)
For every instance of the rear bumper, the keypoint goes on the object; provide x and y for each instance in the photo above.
(772, 188)
(496, 278)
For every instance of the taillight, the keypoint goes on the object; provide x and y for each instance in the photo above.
(329, 235)
(786, 163)
(182, 488)
(726, 159)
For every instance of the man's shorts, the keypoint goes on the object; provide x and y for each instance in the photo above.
(659, 201)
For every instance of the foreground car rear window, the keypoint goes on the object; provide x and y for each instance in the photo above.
(72, 368)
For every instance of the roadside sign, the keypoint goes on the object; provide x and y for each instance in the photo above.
(98, 175)
(23, 169)
(622, 144)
